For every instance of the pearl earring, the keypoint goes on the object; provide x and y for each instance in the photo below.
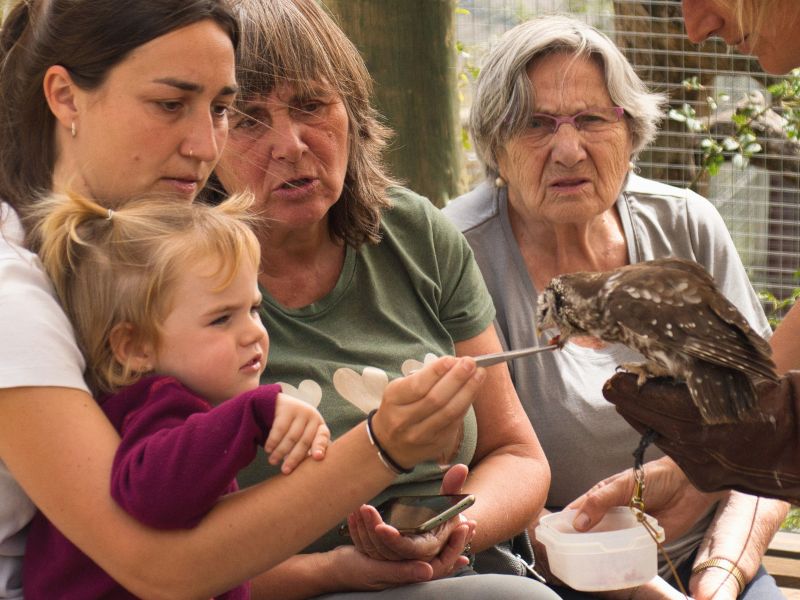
(73, 129)
(500, 182)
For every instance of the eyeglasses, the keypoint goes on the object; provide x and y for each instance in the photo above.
(594, 120)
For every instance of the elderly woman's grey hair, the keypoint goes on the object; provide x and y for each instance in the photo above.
(503, 100)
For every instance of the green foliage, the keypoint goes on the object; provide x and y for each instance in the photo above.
(775, 307)
(737, 148)
(743, 144)
(782, 106)
(792, 522)
(786, 93)
(467, 74)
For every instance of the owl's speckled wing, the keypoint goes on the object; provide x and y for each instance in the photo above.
(671, 310)
(677, 303)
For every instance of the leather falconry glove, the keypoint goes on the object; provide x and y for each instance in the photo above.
(759, 455)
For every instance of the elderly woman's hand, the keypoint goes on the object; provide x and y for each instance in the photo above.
(372, 536)
(420, 415)
(668, 496)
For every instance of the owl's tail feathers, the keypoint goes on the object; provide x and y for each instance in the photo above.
(723, 395)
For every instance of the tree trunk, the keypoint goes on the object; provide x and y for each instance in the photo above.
(409, 48)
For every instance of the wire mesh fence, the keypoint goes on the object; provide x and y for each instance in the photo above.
(759, 200)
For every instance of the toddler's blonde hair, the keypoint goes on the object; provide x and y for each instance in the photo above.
(120, 266)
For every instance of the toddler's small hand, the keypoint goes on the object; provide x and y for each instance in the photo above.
(298, 430)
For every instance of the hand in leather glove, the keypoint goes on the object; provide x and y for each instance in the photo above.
(760, 456)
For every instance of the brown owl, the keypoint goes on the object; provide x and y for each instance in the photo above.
(670, 311)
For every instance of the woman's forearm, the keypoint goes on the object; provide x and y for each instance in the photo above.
(59, 446)
(343, 569)
(785, 342)
(68, 477)
(742, 530)
(301, 576)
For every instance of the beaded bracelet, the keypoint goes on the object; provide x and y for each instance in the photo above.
(725, 565)
(383, 455)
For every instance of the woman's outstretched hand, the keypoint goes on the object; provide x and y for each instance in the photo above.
(420, 415)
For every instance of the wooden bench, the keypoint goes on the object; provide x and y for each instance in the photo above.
(782, 561)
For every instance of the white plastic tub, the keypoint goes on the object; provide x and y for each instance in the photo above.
(617, 553)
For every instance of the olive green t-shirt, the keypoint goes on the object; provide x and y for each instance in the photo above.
(415, 293)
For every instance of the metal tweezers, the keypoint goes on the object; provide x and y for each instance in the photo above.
(487, 360)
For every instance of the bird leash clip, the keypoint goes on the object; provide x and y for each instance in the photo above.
(637, 501)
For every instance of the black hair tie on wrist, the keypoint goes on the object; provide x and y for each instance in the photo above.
(383, 455)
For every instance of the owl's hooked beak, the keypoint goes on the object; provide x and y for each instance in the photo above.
(553, 341)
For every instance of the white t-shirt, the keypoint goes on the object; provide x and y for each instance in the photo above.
(37, 348)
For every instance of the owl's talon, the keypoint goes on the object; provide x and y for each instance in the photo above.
(643, 371)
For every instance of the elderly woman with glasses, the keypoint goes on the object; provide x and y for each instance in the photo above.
(558, 117)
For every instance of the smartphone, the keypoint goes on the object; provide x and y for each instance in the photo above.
(418, 514)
